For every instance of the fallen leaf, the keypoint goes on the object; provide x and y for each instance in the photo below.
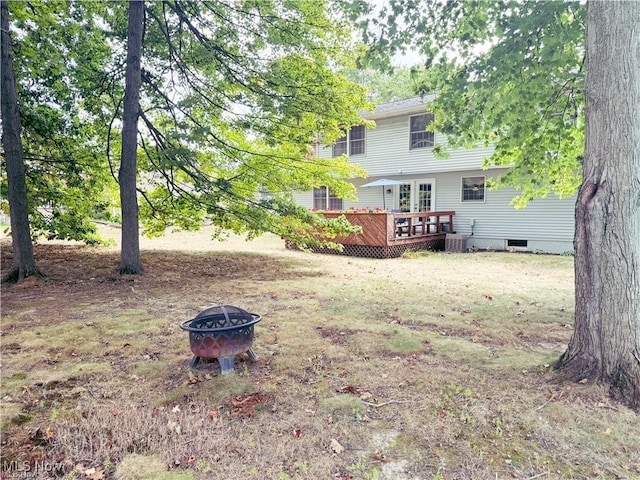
(96, 475)
(214, 415)
(48, 434)
(245, 405)
(350, 389)
(174, 427)
(380, 457)
(336, 447)
(297, 432)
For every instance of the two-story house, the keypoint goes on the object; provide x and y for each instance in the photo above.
(400, 148)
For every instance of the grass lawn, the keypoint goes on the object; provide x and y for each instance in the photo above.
(433, 366)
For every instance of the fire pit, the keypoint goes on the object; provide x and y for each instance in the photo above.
(221, 332)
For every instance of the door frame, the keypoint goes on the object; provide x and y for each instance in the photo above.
(413, 192)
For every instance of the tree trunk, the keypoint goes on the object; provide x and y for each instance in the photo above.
(605, 346)
(24, 263)
(130, 261)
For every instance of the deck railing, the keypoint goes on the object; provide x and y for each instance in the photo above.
(422, 224)
(381, 227)
(390, 234)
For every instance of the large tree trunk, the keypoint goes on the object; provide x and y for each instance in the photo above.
(606, 342)
(24, 263)
(130, 261)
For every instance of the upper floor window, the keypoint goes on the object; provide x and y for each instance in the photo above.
(418, 135)
(325, 199)
(356, 140)
(473, 189)
(352, 143)
(340, 147)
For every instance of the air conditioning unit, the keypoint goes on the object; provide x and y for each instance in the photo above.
(455, 243)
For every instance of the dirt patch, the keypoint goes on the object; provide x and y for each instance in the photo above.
(337, 336)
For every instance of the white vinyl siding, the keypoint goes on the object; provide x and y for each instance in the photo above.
(545, 221)
(546, 224)
(387, 152)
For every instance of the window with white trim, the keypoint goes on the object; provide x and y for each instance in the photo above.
(325, 199)
(352, 143)
(340, 147)
(419, 137)
(356, 140)
(473, 189)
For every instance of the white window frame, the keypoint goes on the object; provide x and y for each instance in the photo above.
(328, 196)
(362, 140)
(414, 193)
(348, 143)
(423, 142)
(344, 147)
(474, 200)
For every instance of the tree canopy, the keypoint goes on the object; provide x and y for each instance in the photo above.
(387, 86)
(234, 96)
(507, 73)
(60, 55)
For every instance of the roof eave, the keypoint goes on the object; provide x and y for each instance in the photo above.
(401, 107)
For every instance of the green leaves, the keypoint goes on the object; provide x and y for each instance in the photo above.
(234, 96)
(253, 84)
(507, 74)
(59, 59)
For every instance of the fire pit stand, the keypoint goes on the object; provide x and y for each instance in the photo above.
(221, 332)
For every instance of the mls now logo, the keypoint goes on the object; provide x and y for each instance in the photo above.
(17, 469)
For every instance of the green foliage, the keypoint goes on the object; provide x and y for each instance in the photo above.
(234, 97)
(506, 73)
(59, 58)
(258, 85)
(384, 87)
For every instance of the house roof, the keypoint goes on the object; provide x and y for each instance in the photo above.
(401, 107)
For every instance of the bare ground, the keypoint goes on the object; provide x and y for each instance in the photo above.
(433, 366)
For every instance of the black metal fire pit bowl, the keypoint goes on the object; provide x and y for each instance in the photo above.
(221, 332)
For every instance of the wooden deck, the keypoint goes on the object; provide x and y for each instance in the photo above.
(389, 235)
